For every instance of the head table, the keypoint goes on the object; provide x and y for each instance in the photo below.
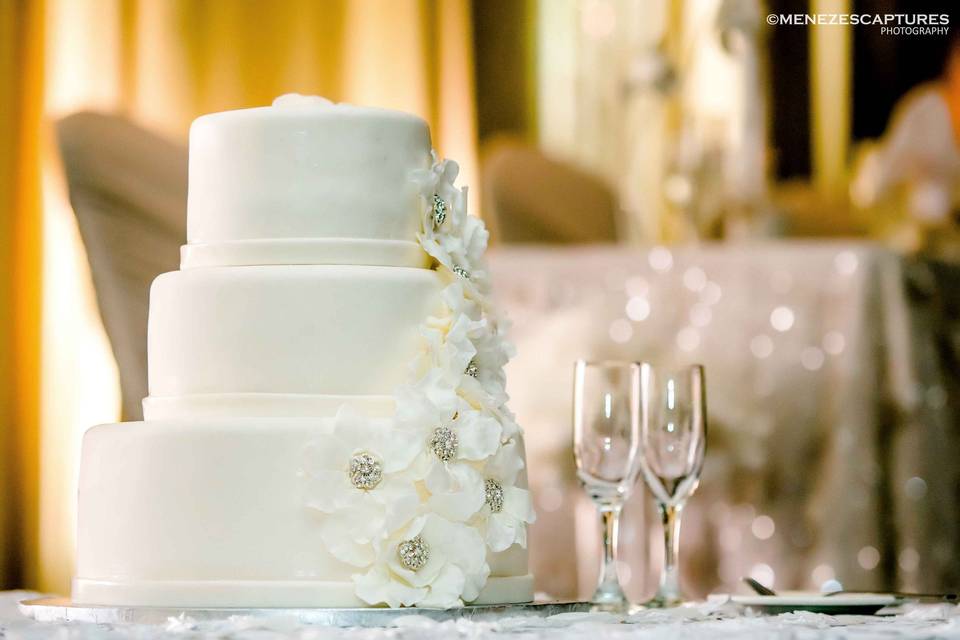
(703, 620)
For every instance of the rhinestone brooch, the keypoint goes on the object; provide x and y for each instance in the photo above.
(413, 553)
(472, 369)
(366, 472)
(460, 271)
(439, 211)
(444, 443)
(493, 494)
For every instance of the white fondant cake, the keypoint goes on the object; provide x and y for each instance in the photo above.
(326, 424)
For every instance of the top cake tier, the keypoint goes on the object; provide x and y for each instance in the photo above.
(305, 181)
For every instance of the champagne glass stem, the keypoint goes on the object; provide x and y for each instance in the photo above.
(609, 590)
(669, 591)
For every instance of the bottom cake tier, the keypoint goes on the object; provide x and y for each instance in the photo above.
(211, 513)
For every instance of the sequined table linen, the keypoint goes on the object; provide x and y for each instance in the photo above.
(833, 441)
(694, 622)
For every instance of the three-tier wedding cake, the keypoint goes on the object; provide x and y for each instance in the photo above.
(326, 424)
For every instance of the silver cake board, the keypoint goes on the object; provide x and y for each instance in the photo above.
(57, 609)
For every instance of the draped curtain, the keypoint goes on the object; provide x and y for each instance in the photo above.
(161, 63)
(21, 60)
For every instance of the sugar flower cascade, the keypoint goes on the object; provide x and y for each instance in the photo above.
(416, 502)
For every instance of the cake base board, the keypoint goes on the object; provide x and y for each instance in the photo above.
(57, 609)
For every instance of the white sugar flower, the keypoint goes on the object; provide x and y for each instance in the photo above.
(474, 280)
(467, 242)
(440, 201)
(457, 304)
(460, 249)
(508, 422)
(447, 347)
(448, 233)
(437, 180)
(460, 317)
(358, 475)
(426, 404)
(501, 327)
(507, 509)
(431, 563)
(478, 432)
(451, 434)
(492, 354)
(448, 465)
(456, 491)
(465, 353)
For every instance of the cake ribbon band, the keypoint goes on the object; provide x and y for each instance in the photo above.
(312, 251)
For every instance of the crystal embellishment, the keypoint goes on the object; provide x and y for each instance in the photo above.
(366, 472)
(493, 494)
(414, 553)
(444, 443)
(472, 369)
(439, 211)
(460, 271)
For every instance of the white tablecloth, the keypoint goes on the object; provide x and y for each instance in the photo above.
(703, 621)
(832, 389)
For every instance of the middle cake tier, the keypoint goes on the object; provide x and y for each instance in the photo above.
(284, 340)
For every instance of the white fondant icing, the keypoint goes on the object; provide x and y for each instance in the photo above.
(387, 253)
(261, 405)
(292, 172)
(318, 330)
(215, 508)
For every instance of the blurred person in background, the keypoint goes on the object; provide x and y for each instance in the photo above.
(909, 182)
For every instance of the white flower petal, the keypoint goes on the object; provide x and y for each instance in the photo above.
(445, 590)
(450, 169)
(324, 490)
(326, 452)
(511, 430)
(438, 479)
(398, 448)
(339, 541)
(479, 436)
(457, 491)
(506, 465)
(456, 543)
(402, 503)
(517, 503)
(377, 587)
(487, 399)
(502, 531)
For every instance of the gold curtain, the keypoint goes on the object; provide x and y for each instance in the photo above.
(21, 96)
(162, 63)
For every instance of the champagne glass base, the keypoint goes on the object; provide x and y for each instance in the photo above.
(621, 608)
(660, 601)
(608, 599)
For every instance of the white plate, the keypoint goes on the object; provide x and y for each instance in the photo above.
(853, 603)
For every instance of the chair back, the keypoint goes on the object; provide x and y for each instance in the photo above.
(128, 189)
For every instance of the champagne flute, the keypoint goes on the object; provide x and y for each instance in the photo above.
(606, 443)
(673, 434)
